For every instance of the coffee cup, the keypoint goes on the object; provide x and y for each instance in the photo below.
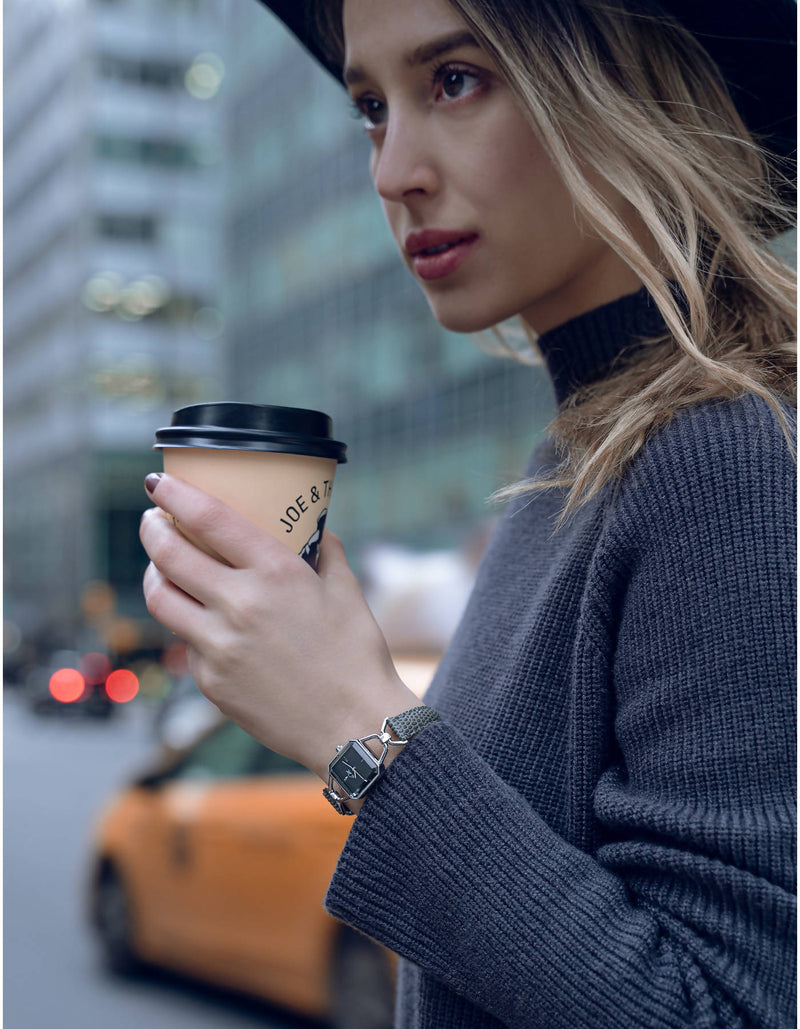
(274, 465)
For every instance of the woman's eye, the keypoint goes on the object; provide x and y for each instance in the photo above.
(451, 83)
(455, 83)
(370, 112)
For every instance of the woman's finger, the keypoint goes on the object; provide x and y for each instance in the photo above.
(235, 538)
(333, 566)
(182, 563)
(176, 610)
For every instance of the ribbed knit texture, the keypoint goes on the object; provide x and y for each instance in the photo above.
(600, 833)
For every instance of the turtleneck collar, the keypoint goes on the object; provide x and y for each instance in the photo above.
(581, 350)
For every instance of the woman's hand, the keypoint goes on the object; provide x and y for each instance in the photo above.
(295, 657)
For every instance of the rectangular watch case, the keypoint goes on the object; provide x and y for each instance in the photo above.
(354, 769)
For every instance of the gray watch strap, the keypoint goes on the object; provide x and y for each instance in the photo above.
(408, 723)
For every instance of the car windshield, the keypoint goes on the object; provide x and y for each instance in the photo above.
(229, 752)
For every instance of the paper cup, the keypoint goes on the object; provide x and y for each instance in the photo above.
(274, 465)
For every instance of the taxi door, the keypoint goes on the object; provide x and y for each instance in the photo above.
(266, 848)
(177, 874)
(251, 847)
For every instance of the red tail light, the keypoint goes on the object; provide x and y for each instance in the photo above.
(122, 686)
(67, 685)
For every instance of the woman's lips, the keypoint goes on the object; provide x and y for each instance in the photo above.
(436, 253)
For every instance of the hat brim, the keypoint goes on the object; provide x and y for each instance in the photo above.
(297, 16)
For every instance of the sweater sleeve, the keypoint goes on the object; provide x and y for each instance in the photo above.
(683, 914)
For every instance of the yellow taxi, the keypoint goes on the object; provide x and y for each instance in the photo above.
(215, 865)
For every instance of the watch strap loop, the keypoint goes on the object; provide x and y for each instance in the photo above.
(409, 723)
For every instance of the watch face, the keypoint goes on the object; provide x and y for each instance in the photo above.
(355, 768)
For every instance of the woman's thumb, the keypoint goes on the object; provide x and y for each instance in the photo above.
(332, 558)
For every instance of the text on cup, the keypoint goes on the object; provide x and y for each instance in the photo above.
(301, 504)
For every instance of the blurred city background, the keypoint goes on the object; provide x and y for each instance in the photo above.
(189, 218)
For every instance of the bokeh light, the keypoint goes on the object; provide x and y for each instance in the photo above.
(98, 599)
(156, 290)
(137, 379)
(141, 297)
(122, 686)
(67, 685)
(122, 635)
(204, 76)
(207, 323)
(108, 293)
(102, 291)
(154, 683)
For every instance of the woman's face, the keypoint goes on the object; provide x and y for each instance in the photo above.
(481, 218)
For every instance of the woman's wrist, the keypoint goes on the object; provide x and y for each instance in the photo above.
(363, 722)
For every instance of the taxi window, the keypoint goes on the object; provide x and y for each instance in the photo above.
(230, 753)
(227, 753)
(269, 763)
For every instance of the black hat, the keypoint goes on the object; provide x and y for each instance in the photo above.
(754, 43)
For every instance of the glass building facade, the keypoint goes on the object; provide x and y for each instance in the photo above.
(112, 208)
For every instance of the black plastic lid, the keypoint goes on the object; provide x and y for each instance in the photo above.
(233, 426)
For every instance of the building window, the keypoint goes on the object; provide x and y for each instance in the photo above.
(119, 535)
(150, 73)
(129, 227)
(171, 154)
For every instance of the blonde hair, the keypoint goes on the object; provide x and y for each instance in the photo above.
(635, 98)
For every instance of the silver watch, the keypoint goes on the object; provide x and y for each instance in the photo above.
(355, 769)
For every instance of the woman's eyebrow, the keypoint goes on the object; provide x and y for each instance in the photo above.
(422, 54)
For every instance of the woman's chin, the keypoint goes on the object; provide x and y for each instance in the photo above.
(462, 318)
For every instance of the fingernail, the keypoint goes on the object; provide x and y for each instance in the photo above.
(152, 481)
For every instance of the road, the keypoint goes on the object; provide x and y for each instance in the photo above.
(57, 774)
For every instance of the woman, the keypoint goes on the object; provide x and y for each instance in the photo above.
(590, 824)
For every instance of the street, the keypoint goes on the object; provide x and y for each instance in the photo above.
(57, 774)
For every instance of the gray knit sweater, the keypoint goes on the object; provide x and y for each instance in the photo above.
(600, 832)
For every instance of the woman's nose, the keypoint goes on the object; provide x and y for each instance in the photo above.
(403, 164)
